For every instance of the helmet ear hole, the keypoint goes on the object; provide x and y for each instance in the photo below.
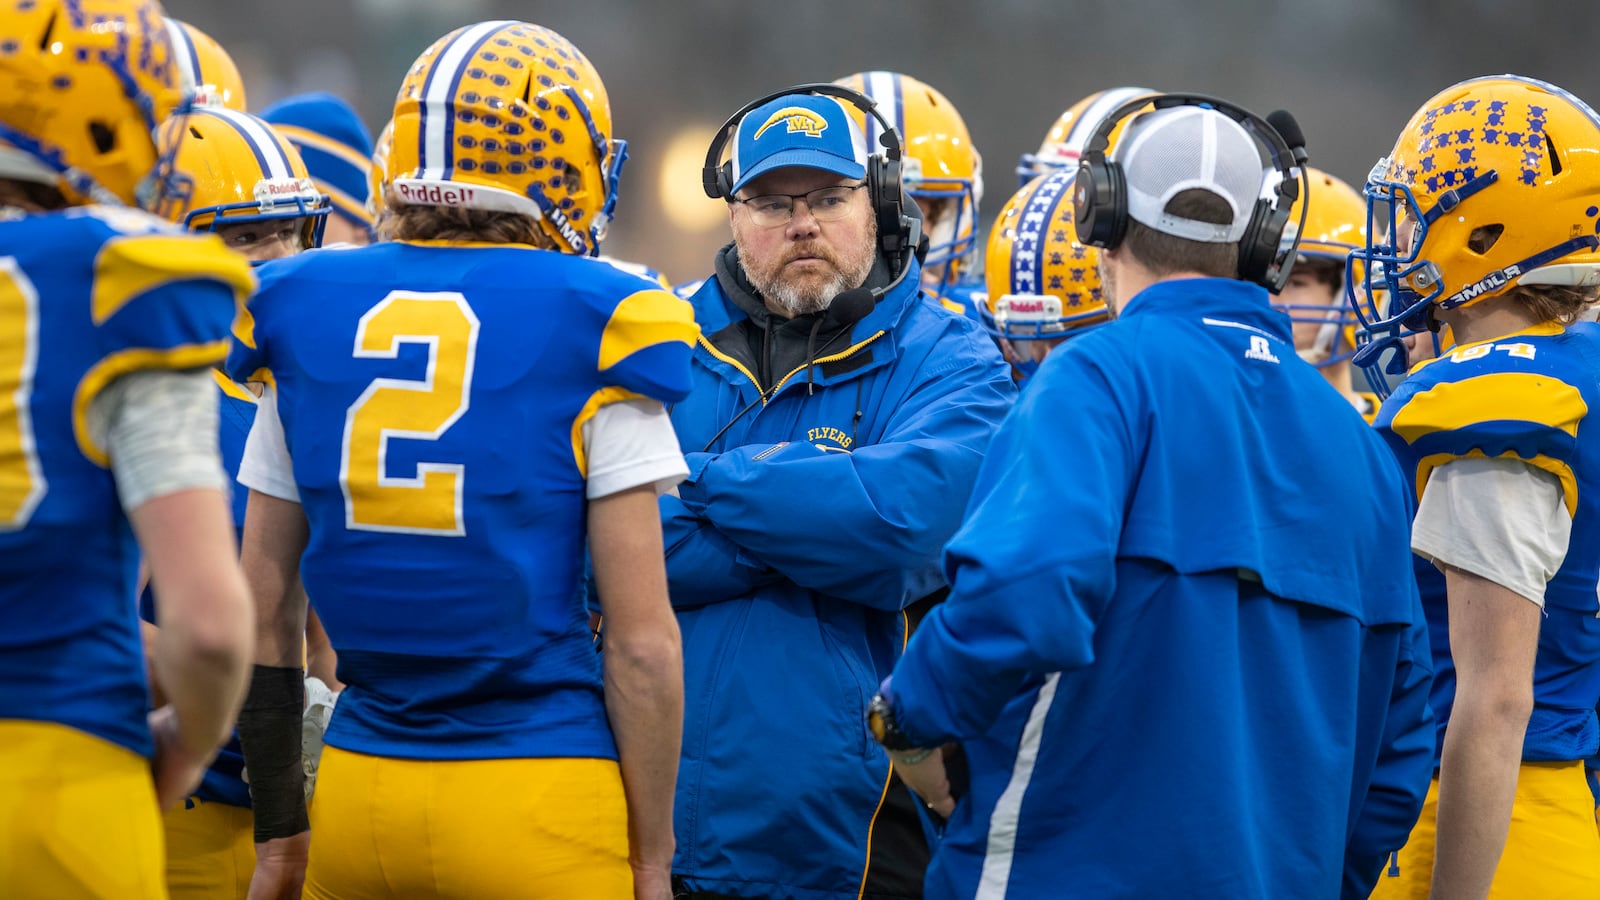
(105, 139)
(1555, 158)
(1484, 237)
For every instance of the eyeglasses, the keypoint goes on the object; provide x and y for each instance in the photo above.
(827, 204)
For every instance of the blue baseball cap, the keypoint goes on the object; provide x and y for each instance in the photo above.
(335, 144)
(798, 130)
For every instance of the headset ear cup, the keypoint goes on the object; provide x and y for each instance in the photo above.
(1116, 204)
(1259, 245)
(725, 180)
(884, 191)
(1099, 208)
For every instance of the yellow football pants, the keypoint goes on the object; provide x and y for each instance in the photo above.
(78, 817)
(1552, 849)
(211, 851)
(385, 828)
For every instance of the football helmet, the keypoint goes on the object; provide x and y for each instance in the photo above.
(83, 85)
(509, 116)
(231, 168)
(1509, 155)
(1043, 283)
(940, 165)
(378, 173)
(1063, 143)
(1335, 224)
(205, 70)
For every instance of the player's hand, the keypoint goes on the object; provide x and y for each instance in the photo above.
(927, 779)
(280, 868)
(176, 769)
(651, 882)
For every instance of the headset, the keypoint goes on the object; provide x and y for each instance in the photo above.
(899, 223)
(1100, 200)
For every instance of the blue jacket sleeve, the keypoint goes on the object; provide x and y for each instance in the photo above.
(1405, 768)
(1035, 562)
(865, 526)
(703, 566)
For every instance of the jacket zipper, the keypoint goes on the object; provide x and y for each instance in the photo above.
(834, 357)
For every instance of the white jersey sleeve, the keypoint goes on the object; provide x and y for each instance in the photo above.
(1500, 519)
(266, 466)
(629, 444)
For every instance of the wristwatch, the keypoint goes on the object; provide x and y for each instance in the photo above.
(880, 720)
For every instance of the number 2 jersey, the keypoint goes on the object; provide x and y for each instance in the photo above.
(1532, 396)
(432, 399)
(87, 295)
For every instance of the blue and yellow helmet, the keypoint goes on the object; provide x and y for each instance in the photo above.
(1064, 142)
(206, 72)
(512, 117)
(1044, 284)
(940, 165)
(231, 168)
(83, 86)
(1493, 184)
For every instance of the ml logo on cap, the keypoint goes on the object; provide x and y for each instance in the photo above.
(799, 119)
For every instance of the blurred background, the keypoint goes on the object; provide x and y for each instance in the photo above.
(1352, 71)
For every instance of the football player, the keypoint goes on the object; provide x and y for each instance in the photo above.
(454, 410)
(108, 423)
(1063, 143)
(1313, 298)
(234, 175)
(1490, 196)
(337, 151)
(1044, 286)
(237, 176)
(941, 170)
(207, 74)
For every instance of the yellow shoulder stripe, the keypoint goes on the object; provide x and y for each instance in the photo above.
(244, 325)
(1500, 396)
(109, 369)
(1562, 471)
(130, 266)
(232, 388)
(953, 306)
(644, 319)
(602, 397)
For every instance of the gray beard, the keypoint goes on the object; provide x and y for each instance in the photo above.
(795, 302)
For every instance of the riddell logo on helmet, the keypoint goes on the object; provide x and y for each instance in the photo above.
(1026, 306)
(1491, 282)
(434, 195)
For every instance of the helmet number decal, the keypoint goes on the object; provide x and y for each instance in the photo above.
(22, 483)
(426, 500)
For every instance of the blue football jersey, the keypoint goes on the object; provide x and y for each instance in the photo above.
(87, 295)
(432, 398)
(1527, 396)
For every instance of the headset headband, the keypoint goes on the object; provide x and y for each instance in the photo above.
(1101, 201)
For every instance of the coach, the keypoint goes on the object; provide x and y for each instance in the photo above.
(1183, 651)
(833, 431)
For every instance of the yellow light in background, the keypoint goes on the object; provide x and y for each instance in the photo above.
(678, 182)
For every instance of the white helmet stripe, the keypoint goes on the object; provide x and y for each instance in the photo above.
(439, 90)
(1096, 111)
(184, 54)
(275, 164)
(880, 86)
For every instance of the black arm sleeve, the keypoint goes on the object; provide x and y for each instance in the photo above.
(269, 732)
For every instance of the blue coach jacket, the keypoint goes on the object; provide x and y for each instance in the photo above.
(794, 545)
(1183, 649)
